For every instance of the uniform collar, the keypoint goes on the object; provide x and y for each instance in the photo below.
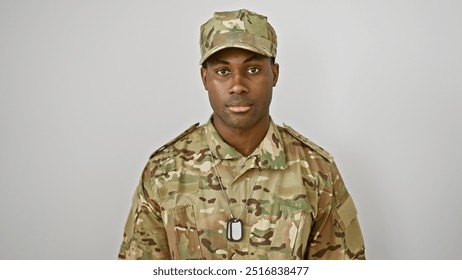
(270, 153)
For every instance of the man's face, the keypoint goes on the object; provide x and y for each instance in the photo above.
(240, 85)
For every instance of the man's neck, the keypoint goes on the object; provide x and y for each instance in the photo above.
(245, 141)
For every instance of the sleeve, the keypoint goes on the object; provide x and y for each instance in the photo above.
(144, 234)
(335, 233)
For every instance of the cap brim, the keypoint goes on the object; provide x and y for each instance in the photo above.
(234, 45)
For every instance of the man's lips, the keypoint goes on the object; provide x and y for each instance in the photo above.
(239, 106)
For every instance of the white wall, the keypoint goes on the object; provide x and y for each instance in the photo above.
(88, 89)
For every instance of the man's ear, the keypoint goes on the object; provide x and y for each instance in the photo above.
(204, 77)
(275, 69)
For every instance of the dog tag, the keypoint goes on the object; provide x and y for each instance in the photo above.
(234, 230)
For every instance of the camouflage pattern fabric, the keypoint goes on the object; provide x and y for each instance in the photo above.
(237, 29)
(299, 209)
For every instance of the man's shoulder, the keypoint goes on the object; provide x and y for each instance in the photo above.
(185, 137)
(306, 142)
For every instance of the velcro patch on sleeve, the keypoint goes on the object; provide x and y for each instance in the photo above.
(347, 212)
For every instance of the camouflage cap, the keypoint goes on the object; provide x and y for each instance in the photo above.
(237, 29)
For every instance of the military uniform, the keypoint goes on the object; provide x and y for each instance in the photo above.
(297, 207)
(199, 198)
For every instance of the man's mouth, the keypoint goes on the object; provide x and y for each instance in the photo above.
(239, 106)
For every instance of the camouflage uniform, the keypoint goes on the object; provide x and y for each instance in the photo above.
(299, 207)
(293, 201)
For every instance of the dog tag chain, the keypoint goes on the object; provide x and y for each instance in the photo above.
(235, 226)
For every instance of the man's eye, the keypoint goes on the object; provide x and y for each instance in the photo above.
(222, 72)
(253, 70)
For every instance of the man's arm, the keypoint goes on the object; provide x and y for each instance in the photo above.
(336, 233)
(144, 234)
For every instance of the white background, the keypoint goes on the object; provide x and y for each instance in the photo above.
(88, 89)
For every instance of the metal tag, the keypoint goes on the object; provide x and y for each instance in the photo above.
(234, 230)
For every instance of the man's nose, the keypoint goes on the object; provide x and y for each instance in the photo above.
(238, 85)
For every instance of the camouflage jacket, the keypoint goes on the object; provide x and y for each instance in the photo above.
(298, 208)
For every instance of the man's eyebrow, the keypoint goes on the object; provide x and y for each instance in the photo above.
(221, 61)
(250, 59)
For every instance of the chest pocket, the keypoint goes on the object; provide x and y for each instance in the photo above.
(182, 233)
(290, 236)
(292, 226)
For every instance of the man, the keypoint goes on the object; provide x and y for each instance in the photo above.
(241, 187)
